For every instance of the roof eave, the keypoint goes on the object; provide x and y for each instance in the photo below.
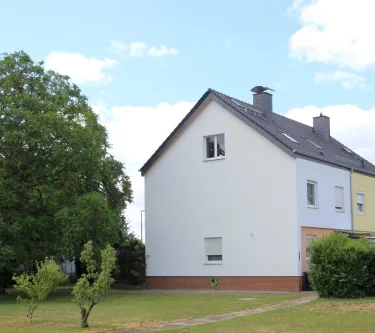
(326, 161)
(174, 133)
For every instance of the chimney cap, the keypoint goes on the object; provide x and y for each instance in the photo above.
(260, 89)
(321, 115)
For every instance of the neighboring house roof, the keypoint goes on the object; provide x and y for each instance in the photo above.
(309, 144)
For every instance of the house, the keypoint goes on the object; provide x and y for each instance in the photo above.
(238, 192)
(363, 194)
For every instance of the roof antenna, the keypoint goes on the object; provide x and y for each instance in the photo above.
(260, 89)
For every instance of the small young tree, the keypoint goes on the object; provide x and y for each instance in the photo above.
(92, 287)
(39, 285)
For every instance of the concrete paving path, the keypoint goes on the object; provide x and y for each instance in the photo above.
(215, 318)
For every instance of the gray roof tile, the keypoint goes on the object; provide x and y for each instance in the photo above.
(273, 127)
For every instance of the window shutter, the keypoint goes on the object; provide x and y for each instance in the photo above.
(360, 198)
(339, 194)
(213, 246)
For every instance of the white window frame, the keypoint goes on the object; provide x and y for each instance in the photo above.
(314, 238)
(205, 158)
(315, 194)
(342, 209)
(363, 204)
(213, 262)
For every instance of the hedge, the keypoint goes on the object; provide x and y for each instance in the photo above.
(342, 267)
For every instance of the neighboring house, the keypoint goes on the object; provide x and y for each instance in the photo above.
(238, 192)
(363, 194)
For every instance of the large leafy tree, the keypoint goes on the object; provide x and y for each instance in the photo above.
(59, 186)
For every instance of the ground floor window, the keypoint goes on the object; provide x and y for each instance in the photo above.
(309, 240)
(213, 249)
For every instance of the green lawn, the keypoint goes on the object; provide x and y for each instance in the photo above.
(123, 310)
(321, 316)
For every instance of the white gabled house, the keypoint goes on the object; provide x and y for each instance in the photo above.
(237, 192)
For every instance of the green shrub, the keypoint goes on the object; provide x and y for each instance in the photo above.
(39, 285)
(131, 262)
(342, 267)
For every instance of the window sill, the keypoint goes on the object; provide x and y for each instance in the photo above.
(214, 159)
(312, 207)
(213, 263)
(362, 214)
(340, 211)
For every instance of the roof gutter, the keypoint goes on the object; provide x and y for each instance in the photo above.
(371, 174)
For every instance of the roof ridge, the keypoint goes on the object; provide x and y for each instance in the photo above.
(272, 128)
(283, 129)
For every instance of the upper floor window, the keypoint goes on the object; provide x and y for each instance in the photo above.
(339, 198)
(360, 202)
(311, 193)
(214, 146)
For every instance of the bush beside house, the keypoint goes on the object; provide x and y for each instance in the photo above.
(342, 267)
(131, 263)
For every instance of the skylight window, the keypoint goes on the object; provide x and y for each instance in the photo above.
(314, 144)
(289, 137)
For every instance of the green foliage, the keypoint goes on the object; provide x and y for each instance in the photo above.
(132, 262)
(92, 287)
(39, 285)
(59, 186)
(342, 267)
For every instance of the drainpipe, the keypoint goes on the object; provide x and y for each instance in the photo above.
(351, 199)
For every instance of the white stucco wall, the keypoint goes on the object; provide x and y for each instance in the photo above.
(248, 199)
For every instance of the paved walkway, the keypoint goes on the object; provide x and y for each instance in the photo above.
(215, 318)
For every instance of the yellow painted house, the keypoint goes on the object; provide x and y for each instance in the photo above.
(363, 202)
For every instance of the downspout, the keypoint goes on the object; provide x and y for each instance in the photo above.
(351, 199)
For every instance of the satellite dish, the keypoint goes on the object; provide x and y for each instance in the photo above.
(260, 89)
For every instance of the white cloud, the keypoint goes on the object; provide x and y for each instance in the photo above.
(347, 80)
(135, 133)
(351, 125)
(101, 111)
(139, 49)
(80, 68)
(136, 49)
(117, 47)
(335, 31)
(161, 51)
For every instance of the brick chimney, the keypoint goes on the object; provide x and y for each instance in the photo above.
(321, 126)
(262, 100)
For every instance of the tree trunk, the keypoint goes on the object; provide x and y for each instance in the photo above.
(29, 315)
(85, 313)
(78, 268)
(3, 281)
(84, 318)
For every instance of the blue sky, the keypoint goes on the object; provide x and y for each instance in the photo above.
(226, 46)
(314, 58)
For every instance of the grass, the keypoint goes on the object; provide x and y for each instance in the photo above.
(321, 316)
(123, 310)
